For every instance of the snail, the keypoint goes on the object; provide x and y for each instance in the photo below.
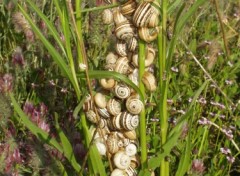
(128, 121)
(114, 107)
(88, 103)
(121, 160)
(91, 116)
(148, 34)
(132, 44)
(118, 17)
(130, 134)
(121, 48)
(100, 146)
(111, 58)
(118, 172)
(149, 81)
(116, 122)
(103, 112)
(149, 57)
(134, 76)
(135, 161)
(124, 30)
(107, 16)
(131, 171)
(129, 7)
(122, 91)
(112, 143)
(100, 100)
(134, 105)
(122, 65)
(131, 149)
(107, 83)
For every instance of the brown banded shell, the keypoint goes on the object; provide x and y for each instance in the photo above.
(129, 121)
(135, 161)
(122, 91)
(116, 122)
(124, 30)
(112, 144)
(114, 107)
(131, 171)
(118, 17)
(121, 48)
(107, 16)
(88, 104)
(149, 81)
(121, 160)
(130, 134)
(134, 105)
(103, 123)
(148, 34)
(103, 113)
(91, 116)
(107, 83)
(108, 1)
(129, 7)
(132, 44)
(122, 65)
(100, 100)
(149, 58)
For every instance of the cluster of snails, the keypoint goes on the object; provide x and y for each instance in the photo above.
(116, 114)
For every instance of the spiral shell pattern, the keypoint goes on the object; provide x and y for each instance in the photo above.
(122, 91)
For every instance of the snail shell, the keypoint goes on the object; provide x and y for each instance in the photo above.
(121, 160)
(132, 44)
(114, 107)
(103, 112)
(107, 83)
(149, 58)
(100, 146)
(135, 161)
(107, 16)
(134, 105)
(112, 143)
(88, 103)
(122, 65)
(131, 171)
(148, 34)
(129, 121)
(121, 48)
(131, 149)
(134, 76)
(124, 30)
(130, 134)
(118, 172)
(91, 116)
(129, 7)
(111, 58)
(149, 81)
(103, 123)
(122, 91)
(100, 100)
(116, 122)
(118, 17)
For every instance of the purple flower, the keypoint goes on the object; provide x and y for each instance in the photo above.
(17, 57)
(6, 83)
(230, 159)
(225, 150)
(203, 121)
(198, 166)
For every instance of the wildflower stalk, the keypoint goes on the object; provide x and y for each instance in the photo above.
(143, 140)
(164, 167)
(98, 8)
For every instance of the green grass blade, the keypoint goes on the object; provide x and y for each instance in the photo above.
(44, 136)
(172, 7)
(50, 26)
(67, 147)
(98, 74)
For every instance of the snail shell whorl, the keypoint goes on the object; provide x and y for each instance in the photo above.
(130, 134)
(124, 30)
(91, 116)
(107, 83)
(149, 81)
(122, 65)
(119, 172)
(114, 107)
(100, 146)
(100, 100)
(118, 17)
(103, 113)
(142, 14)
(128, 121)
(111, 58)
(116, 122)
(107, 16)
(131, 149)
(128, 7)
(122, 91)
(88, 104)
(134, 105)
(121, 160)
(135, 161)
(131, 171)
(112, 144)
(148, 34)
(132, 44)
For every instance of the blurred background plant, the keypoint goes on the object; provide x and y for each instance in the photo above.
(27, 70)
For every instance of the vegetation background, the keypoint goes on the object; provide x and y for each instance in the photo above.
(42, 89)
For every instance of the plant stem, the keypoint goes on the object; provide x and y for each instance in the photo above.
(163, 85)
(99, 8)
(143, 139)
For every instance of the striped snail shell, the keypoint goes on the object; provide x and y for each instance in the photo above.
(112, 143)
(102, 123)
(131, 171)
(130, 134)
(88, 103)
(124, 30)
(125, 142)
(121, 160)
(129, 7)
(135, 161)
(100, 100)
(131, 149)
(134, 76)
(121, 48)
(116, 122)
(149, 81)
(107, 16)
(108, 1)
(119, 172)
(122, 65)
(129, 121)
(134, 105)
(103, 113)
(118, 17)
(148, 34)
(107, 83)
(91, 116)
(114, 107)
(122, 91)
(132, 44)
